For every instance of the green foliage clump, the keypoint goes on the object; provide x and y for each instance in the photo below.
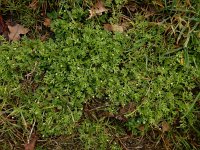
(52, 80)
(47, 83)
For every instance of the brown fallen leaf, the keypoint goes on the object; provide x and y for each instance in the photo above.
(97, 9)
(47, 22)
(113, 27)
(165, 126)
(16, 31)
(32, 143)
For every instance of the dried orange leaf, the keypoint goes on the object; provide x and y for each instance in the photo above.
(114, 27)
(165, 126)
(15, 32)
(97, 9)
(47, 22)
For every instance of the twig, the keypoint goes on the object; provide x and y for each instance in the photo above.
(123, 146)
(31, 132)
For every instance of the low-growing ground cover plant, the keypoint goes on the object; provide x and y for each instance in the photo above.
(94, 87)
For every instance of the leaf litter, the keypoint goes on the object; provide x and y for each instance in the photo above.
(47, 22)
(97, 9)
(165, 126)
(15, 32)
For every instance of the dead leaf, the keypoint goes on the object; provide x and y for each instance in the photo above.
(16, 31)
(34, 4)
(107, 27)
(97, 9)
(31, 144)
(114, 28)
(47, 22)
(165, 126)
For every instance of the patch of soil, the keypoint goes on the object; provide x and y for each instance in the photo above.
(71, 142)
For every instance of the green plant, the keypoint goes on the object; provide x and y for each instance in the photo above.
(44, 85)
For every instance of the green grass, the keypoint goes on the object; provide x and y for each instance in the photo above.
(75, 84)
